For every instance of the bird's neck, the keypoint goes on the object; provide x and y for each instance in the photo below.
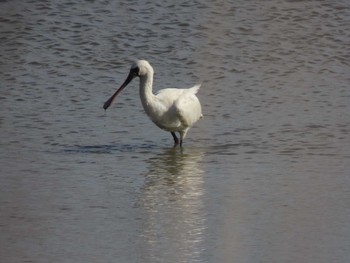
(146, 94)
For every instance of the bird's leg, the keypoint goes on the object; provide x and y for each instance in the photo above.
(176, 140)
(182, 136)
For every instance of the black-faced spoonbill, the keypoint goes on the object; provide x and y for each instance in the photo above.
(173, 110)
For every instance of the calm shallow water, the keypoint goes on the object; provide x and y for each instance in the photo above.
(264, 177)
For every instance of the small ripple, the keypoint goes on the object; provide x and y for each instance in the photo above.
(109, 148)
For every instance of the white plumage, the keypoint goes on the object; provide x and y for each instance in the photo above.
(173, 110)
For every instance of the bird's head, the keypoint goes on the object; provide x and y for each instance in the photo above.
(139, 68)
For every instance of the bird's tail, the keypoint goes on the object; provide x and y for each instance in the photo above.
(195, 88)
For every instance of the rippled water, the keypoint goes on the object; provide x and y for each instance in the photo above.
(264, 177)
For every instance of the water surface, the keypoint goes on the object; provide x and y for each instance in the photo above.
(263, 177)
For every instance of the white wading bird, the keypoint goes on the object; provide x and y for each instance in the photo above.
(173, 110)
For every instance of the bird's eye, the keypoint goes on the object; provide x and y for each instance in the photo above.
(136, 71)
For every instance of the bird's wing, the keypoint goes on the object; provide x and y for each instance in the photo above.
(182, 106)
(188, 107)
(175, 93)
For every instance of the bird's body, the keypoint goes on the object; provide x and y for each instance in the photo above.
(173, 110)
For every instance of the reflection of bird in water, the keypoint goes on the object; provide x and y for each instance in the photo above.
(174, 166)
(173, 110)
(172, 213)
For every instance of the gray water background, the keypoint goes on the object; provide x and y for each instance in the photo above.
(264, 177)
